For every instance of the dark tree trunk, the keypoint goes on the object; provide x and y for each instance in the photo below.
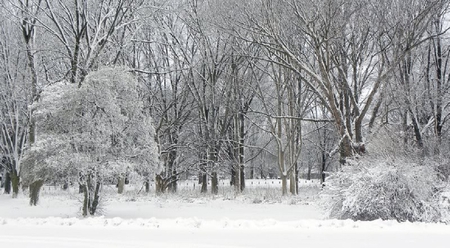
(308, 174)
(7, 183)
(147, 186)
(214, 183)
(96, 199)
(204, 182)
(35, 189)
(65, 186)
(241, 155)
(91, 194)
(84, 190)
(81, 188)
(15, 182)
(242, 178)
(323, 167)
(159, 185)
(172, 178)
(174, 182)
(345, 149)
(233, 176)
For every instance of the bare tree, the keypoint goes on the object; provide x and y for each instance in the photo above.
(84, 28)
(344, 52)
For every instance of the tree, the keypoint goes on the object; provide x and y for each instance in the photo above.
(82, 30)
(285, 110)
(170, 102)
(336, 44)
(93, 133)
(14, 98)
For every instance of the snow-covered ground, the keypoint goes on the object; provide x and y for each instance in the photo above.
(257, 219)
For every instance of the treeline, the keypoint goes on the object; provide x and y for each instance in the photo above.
(235, 89)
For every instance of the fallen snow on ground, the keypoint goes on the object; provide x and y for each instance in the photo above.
(255, 220)
(103, 232)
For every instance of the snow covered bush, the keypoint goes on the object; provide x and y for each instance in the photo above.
(393, 188)
(92, 133)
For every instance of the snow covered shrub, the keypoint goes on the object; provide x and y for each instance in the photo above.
(383, 189)
(92, 133)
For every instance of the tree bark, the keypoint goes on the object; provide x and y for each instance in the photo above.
(283, 184)
(147, 186)
(85, 200)
(15, 182)
(121, 185)
(35, 189)
(204, 180)
(91, 194)
(292, 183)
(7, 183)
(214, 183)
(96, 199)
(159, 185)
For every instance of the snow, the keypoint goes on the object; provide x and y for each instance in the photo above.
(188, 220)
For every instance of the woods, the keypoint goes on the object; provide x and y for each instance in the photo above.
(95, 92)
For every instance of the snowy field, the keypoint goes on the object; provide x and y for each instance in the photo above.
(259, 218)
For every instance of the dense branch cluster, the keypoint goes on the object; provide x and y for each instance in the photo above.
(97, 91)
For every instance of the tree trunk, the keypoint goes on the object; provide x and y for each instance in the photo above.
(65, 186)
(96, 199)
(84, 190)
(284, 184)
(171, 169)
(91, 194)
(81, 188)
(323, 167)
(159, 185)
(233, 175)
(7, 183)
(204, 180)
(345, 149)
(173, 186)
(308, 174)
(15, 182)
(293, 185)
(214, 183)
(35, 189)
(241, 155)
(292, 182)
(147, 186)
(242, 177)
(121, 185)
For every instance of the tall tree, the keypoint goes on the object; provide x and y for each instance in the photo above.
(344, 52)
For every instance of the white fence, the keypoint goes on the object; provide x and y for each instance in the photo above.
(223, 184)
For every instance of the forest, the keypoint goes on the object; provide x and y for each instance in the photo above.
(354, 93)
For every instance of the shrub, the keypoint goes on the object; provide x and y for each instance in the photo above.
(383, 189)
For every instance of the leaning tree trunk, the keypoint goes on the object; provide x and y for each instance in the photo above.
(96, 199)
